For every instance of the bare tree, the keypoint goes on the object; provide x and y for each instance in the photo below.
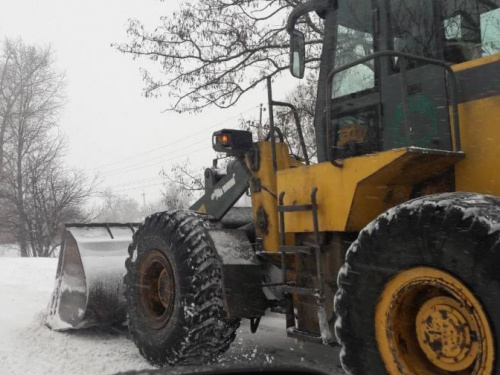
(303, 97)
(212, 51)
(118, 209)
(152, 207)
(174, 197)
(9, 93)
(36, 192)
(185, 181)
(53, 196)
(123, 209)
(182, 174)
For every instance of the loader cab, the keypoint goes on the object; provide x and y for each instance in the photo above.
(392, 101)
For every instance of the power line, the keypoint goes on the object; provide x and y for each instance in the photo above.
(162, 156)
(131, 183)
(140, 164)
(138, 188)
(143, 181)
(185, 138)
(135, 167)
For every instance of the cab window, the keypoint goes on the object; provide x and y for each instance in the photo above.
(490, 32)
(471, 29)
(355, 40)
(452, 30)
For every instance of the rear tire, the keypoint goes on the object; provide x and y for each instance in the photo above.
(447, 246)
(174, 291)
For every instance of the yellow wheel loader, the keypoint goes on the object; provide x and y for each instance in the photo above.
(388, 245)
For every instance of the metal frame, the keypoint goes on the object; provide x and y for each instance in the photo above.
(231, 190)
(108, 226)
(291, 288)
(271, 104)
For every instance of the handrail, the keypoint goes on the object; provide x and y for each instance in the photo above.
(402, 56)
(271, 123)
(296, 117)
(278, 132)
(273, 129)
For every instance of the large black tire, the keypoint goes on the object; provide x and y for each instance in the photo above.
(198, 329)
(458, 233)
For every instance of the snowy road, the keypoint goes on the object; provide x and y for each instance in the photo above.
(29, 347)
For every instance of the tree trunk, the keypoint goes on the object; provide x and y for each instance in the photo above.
(23, 244)
(22, 232)
(3, 129)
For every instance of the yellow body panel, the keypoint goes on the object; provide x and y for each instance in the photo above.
(336, 189)
(266, 198)
(480, 135)
(348, 198)
(475, 63)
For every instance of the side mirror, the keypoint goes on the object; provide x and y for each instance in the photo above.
(297, 53)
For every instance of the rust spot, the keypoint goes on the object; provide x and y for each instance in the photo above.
(436, 345)
(427, 338)
(473, 336)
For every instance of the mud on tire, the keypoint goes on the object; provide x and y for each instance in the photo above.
(455, 232)
(198, 329)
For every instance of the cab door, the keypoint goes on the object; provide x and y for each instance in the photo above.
(356, 109)
(388, 103)
(414, 94)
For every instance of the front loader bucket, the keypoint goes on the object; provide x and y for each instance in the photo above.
(89, 281)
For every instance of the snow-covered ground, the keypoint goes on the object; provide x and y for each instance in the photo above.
(27, 346)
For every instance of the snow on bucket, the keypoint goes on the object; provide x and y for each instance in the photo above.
(89, 280)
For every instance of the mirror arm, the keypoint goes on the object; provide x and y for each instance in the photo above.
(300, 10)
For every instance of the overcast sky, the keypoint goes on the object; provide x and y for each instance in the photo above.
(112, 129)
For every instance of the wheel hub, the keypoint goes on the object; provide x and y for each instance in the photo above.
(165, 288)
(156, 289)
(428, 322)
(446, 333)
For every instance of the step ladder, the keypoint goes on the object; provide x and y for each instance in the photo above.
(289, 287)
